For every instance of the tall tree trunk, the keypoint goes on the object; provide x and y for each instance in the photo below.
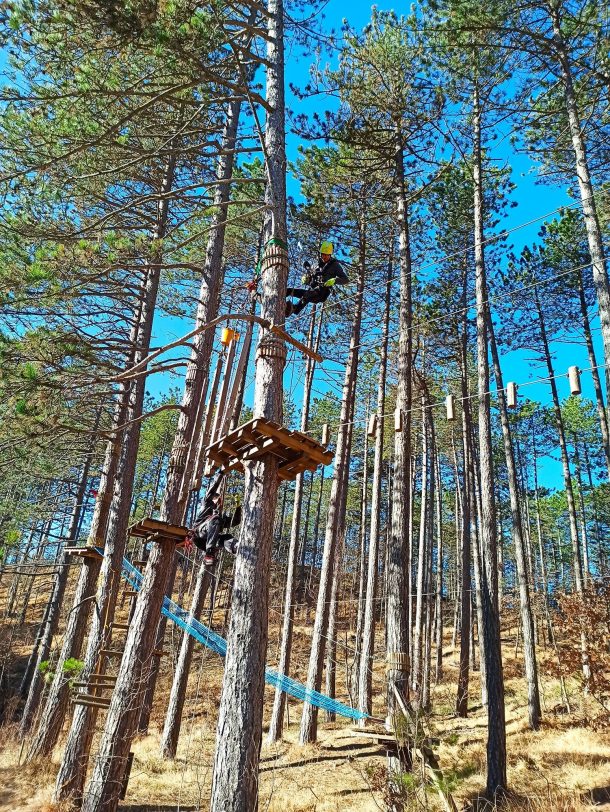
(279, 702)
(465, 539)
(601, 557)
(543, 571)
(398, 563)
(583, 175)
(496, 739)
(422, 556)
(52, 716)
(527, 619)
(184, 448)
(32, 681)
(565, 462)
(336, 510)
(438, 612)
(102, 793)
(427, 628)
(175, 708)
(583, 517)
(362, 564)
(239, 732)
(365, 677)
(597, 386)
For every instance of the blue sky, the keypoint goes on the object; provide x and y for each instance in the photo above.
(534, 201)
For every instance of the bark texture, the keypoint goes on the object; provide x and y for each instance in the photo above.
(239, 731)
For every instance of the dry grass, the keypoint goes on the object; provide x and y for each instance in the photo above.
(563, 767)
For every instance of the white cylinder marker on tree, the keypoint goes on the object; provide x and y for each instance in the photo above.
(398, 420)
(372, 426)
(325, 434)
(511, 395)
(574, 378)
(450, 406)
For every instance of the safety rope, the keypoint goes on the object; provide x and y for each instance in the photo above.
(182, 618)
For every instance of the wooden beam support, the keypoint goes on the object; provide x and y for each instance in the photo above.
(84, 552)
(91, 700)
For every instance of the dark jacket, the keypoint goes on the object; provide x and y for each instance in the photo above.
(330, 270)
(208, 508)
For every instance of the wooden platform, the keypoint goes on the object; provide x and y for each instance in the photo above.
(84, 552)
(296, 451)
(156, 530)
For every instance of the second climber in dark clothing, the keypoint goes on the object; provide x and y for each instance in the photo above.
(209, 530)
(328, 274)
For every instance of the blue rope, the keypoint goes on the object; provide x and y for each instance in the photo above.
(218, 644)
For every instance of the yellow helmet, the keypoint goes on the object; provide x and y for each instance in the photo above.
(327, 248)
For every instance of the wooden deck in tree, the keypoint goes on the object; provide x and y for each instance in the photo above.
(84, 552)
(296, 451)
(156, 530)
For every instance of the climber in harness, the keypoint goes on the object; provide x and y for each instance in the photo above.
(209, 532)
(321, 281)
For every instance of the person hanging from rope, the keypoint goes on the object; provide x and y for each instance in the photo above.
(329, 273)
(209, 529)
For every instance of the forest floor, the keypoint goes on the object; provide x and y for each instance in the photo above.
(562, 767)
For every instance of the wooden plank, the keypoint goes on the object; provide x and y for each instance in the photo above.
(381, 738)
(94, 686)
(269, 446)
(294, 442)
(84, 552)
(297, 451)
(91, 700)
(121, 626)
(149, 527)
(111, 652)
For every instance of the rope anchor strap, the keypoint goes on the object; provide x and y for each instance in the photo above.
(273, 242)
(271, 346)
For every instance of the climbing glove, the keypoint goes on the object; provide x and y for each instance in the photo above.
(306, 279)
(330, 283)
